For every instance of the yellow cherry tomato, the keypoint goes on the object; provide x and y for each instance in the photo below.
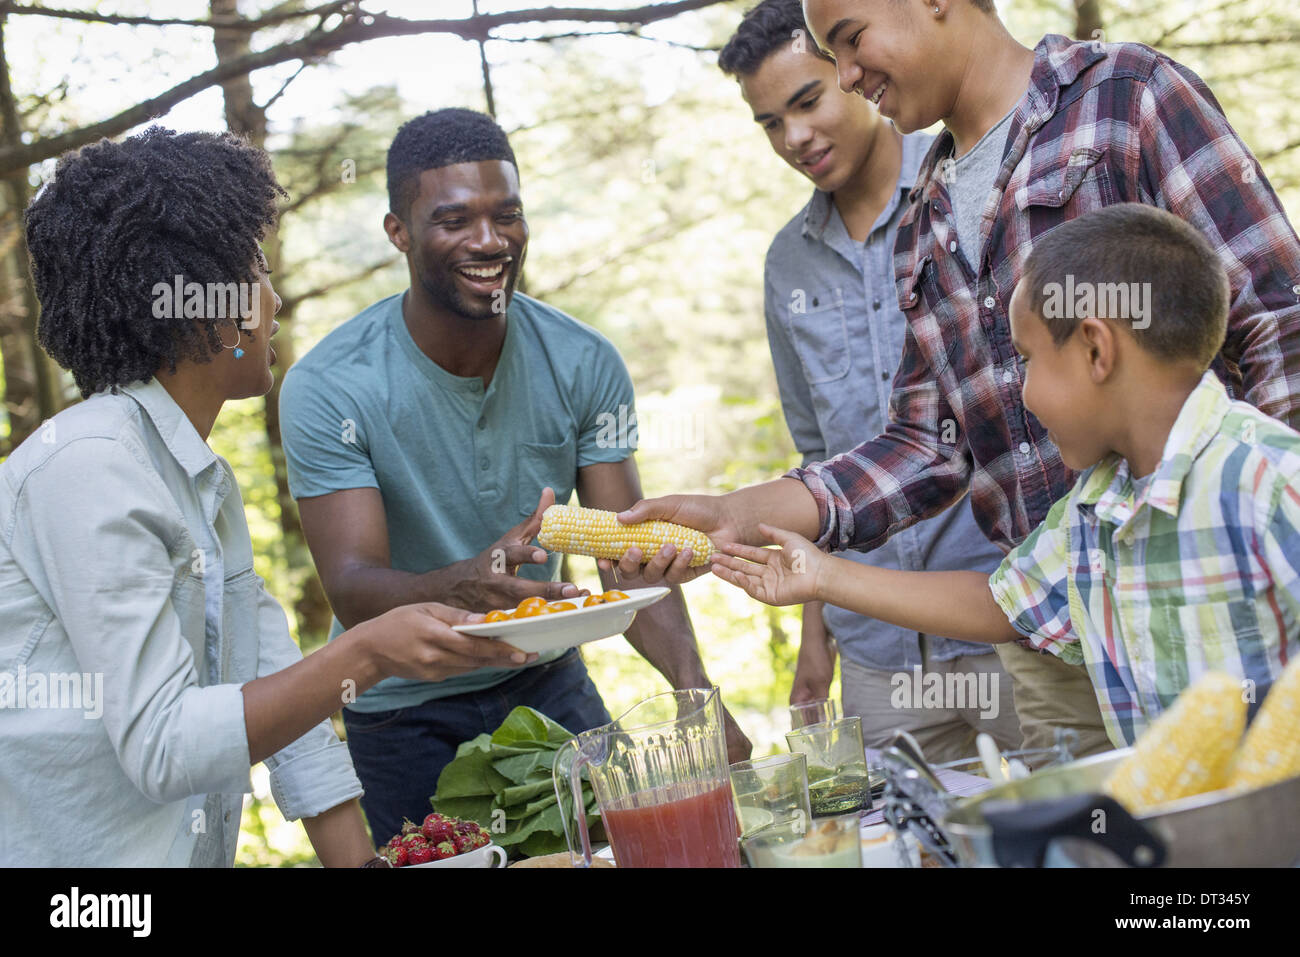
(593, 600)
(536, 601)
(532, 611)
(561, 606)
(497, 616)
(614, 596)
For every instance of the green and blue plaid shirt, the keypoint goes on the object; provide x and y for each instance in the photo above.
(1198, 572)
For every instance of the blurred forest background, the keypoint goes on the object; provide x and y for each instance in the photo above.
(650, 193)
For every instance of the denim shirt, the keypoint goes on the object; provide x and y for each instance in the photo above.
(836, 334)
(126, 577)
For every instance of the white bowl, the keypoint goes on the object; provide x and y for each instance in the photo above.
(566, 629)
(489, 855)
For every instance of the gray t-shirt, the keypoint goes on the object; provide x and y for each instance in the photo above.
(970, 180)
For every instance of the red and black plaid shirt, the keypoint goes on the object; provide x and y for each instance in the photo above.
(1100, 124)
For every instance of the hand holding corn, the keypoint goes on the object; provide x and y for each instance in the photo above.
(597, 533)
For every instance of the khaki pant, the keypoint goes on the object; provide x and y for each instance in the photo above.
(1052, 694)
(944, 724)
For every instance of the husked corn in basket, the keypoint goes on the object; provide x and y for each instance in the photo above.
(597, 533)
(1271, 751)
(1186, 750)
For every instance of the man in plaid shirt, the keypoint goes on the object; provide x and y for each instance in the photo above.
(1177, 551)
(1087, 125)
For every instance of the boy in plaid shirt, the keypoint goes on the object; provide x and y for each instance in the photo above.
(1177, 551)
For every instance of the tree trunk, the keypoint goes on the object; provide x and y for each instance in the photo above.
(246, 118)
(1087, 20)
(32, 392)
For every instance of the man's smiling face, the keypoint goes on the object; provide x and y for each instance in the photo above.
(889, 51)
(468, 236)
(820, 131)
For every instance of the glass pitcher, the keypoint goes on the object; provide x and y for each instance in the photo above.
(660, 776)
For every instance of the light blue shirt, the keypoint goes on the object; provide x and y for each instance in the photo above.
(130, 617)
(458, 464)
(836, 335)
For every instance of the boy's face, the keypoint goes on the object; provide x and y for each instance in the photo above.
(821, 132)
(1058, 388)
(466, 236)
(893, 46)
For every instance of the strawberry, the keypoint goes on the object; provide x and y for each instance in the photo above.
(481, 840)
(421, 855)
(463, 843)
(395, 841)
(398, 856)
(445, 850)
(414, 840)
(437, 828)
(440, 831)
(409, 827)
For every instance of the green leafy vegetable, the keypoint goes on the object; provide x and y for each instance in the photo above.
(503, 782)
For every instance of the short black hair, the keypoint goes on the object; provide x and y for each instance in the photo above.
(436, 139)
(116, 219)
(764, 29)
(1129, 249)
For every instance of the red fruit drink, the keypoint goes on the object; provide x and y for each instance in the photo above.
(681, 825)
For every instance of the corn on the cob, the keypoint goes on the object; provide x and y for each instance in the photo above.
(597, 533)
(1271, 751)
(1186, 750)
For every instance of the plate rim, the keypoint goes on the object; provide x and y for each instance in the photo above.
(521, 625)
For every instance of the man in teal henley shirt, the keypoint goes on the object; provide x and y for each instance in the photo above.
(425, 436)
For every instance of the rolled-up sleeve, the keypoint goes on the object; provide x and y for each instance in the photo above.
(902, 476)
(91, 532)
(313, 773)
(1031, 587)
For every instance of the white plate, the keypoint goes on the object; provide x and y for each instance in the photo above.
(566, 629)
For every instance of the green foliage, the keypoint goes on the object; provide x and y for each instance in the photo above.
(503, 781)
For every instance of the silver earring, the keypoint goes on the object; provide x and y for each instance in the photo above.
(239, 353)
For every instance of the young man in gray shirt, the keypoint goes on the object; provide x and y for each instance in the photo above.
(836, 335)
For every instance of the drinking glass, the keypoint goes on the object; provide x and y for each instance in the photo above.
(813, 712)
(829, 842)
(771, 790)
(837, 766)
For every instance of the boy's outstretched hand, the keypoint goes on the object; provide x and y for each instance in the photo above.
(787, 575)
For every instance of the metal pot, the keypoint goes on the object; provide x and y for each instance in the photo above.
(1059, 816)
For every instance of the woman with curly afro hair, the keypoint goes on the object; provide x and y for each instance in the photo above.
(147, 669)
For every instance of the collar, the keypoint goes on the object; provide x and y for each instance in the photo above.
(1109, 485)
(177, 431)
(817, 214)
(1058, 62)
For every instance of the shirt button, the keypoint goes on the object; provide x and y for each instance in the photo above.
(884, 375)
(1024, 448)
(875, 304)
(1007, 377)
(483, 463)
(482, 424)
(989, 302)
(952, 246)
